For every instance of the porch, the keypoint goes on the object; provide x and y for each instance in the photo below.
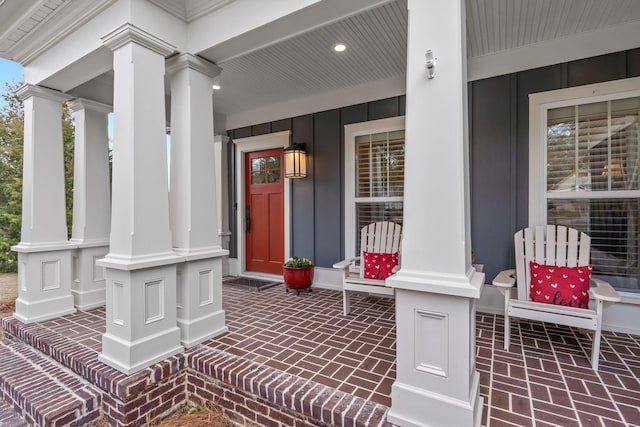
(289, 357)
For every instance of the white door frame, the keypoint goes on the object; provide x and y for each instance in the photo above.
(248, 145)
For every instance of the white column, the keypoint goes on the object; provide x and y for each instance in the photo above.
(221, 146)
(44, 252)
(193, 199)
(140, 266)
(436, 288)
(91, 202)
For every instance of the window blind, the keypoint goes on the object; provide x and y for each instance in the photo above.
(380, 165)
(379, 178)
(593, 166)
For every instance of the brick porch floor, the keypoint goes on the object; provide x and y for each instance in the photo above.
(545, 379)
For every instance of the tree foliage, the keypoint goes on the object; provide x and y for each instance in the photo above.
(11, 150)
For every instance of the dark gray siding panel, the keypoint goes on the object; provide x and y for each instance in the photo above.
(302, 211)
(597, 69)
(353, 114)
(281, 125)
(492, 184)
(633, 63)
(384, 108)
(261, 129)
(326, 160)
(242, 132)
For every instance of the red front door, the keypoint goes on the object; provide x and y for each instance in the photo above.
(264, 211)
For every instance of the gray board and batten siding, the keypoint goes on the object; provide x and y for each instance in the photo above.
(317, 202)
(499, 141)
(499, 150)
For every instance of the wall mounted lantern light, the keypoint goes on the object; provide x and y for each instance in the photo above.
(295, 161)
(430, 62)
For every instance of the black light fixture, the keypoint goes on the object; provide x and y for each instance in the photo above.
(295, 161)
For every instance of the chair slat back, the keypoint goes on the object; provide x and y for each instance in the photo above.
(550, 245)
(380, 237)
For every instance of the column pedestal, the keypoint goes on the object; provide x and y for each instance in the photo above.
(436, 378)
(200, 315)
(141, 326)
(44, 277)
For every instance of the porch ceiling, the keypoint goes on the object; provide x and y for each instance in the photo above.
(304, 65)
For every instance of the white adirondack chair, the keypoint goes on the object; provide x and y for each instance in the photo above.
(378, 237)
(560, 246)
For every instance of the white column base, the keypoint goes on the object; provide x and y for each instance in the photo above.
(89, 285)
(130, 357)
(30, 312)
(410, 404)
(194, 332)
(141, 318)
(199, 299)
(44, 283)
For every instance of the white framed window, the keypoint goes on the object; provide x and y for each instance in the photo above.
(374, 176)
(584, 171)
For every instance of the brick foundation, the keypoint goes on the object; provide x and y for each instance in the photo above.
(250, 392)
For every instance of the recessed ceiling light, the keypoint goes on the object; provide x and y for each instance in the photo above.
(339, 47)
(216, 87)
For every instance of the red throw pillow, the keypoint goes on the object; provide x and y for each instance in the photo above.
(560, 285)
(379, 265)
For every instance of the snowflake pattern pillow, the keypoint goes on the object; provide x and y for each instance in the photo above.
(379, 265)
(560, 285)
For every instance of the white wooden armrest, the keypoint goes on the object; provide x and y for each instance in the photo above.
(345, 263)
(505, 279)
(604, 291)
(370, 282)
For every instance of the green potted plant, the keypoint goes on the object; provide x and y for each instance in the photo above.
(298, 274)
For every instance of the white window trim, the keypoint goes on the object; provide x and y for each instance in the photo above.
(350, 133)
(539, 104)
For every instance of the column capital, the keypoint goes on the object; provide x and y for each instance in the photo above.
(78, 104)
(128, 33)
(188, 60)
(28, 90)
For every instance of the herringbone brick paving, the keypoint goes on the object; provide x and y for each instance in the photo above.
(544, 379)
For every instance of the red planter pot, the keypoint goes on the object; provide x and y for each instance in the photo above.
(298, 278)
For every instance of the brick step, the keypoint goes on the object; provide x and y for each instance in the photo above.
(42, 391)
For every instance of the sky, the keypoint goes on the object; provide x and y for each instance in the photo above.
(10, 72)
